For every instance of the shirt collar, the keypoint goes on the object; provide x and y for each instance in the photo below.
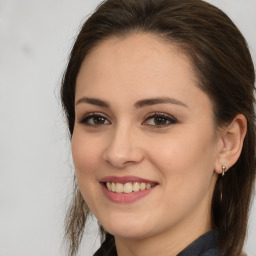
(204, 245)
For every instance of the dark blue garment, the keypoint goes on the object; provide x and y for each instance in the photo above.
(108, 247)
(205, 245)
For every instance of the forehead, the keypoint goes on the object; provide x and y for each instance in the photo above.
(138, 66)
(144, 53)
(137, 47)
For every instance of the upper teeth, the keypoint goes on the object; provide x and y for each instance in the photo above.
(128, 187)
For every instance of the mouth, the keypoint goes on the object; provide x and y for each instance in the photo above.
(126, 189)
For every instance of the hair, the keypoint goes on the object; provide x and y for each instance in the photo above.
(224, 67)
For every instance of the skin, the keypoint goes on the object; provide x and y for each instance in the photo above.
(181, 156)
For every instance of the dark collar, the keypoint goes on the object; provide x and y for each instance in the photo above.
(205, 245)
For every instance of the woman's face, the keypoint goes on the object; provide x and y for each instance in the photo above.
(145, 130)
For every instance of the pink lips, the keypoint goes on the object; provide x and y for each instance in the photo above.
(123, 197)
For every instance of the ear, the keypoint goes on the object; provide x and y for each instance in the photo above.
(231, 143)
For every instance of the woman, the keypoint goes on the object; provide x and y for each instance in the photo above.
(159, 100)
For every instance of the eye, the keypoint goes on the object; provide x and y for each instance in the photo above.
(95, 120)
(159, 120)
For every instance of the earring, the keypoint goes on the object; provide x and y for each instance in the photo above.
(224, 168)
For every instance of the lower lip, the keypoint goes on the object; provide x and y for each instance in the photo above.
(124, 198)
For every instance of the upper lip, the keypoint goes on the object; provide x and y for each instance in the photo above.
(125, 179)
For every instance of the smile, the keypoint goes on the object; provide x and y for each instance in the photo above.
(128, 187)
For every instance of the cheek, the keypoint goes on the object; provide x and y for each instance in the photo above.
(186, 162)
(86, 161)
(85, 154)
(190, 152)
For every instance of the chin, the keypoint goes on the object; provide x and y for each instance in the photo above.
(129, 233)
(135, 228)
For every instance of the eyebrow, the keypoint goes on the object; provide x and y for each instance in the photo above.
(154, 101)
(138, 104)
(93, 101)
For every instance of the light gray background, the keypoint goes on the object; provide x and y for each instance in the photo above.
(35, 162)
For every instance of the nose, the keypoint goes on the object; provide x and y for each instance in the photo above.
(123, 148)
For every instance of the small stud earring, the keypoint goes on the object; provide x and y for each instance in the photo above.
(224, 168)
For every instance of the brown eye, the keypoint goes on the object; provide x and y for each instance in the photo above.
(159, 120)
(98, 120)
(95, 120)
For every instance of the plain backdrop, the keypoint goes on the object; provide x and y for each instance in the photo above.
(35, 162)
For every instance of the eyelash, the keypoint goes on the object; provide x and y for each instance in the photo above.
(171, 120)
(163, 116)
(85, 119)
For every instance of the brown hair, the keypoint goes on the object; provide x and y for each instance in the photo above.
(223, 64)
